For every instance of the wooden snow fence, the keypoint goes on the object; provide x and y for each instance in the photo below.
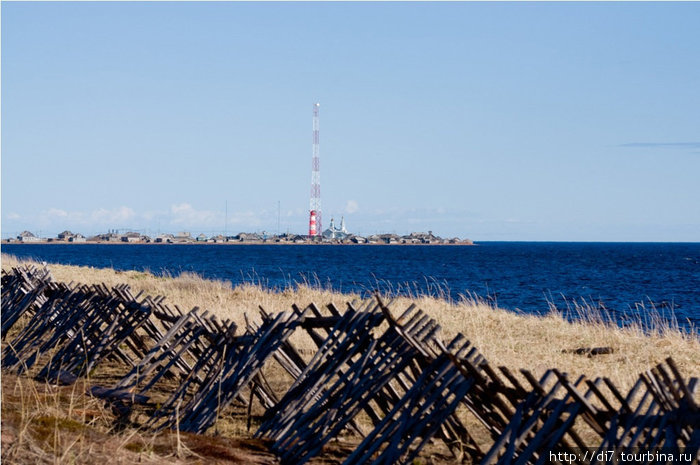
(354, 371)
(73, 328)
(22, 290)
(390, 380)
(177, 350)
(56, 321)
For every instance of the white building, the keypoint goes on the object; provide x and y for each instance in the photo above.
(26, 236)
(336, 233)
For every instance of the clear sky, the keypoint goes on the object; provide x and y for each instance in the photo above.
(492, 121)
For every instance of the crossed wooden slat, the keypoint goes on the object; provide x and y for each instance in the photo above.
(57, 320)
(22, 292)
(108, 320)
(352, 372)
(239, 365)
(395, 370)
(419, 414)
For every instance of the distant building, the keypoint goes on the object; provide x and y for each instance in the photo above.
(112, 237)
(358, 240)
(422, 238)
(248, 237)
(389, 238)
(183, 236)
(131, 237)
(26, 236)
(167, 238)
(336, 233)
(299, 239)
(410, 240)
(77, 238)
(65, 236)
(282, 238)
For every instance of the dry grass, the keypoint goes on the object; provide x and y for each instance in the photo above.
(189, 290)
(504, 337)
(43, 424)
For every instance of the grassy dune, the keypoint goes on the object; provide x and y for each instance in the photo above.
(48, 424)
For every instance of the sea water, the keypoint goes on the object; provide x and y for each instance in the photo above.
(627, 281)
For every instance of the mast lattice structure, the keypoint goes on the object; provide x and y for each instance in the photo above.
(315, 224)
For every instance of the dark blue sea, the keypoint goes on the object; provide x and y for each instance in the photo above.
(626, 280)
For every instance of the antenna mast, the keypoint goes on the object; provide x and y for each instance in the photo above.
(315, 227)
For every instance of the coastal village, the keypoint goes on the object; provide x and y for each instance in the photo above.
(333, 235)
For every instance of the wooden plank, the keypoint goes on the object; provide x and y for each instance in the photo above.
(399, 433)
(360, 384)
(688, 396)
(593, 386)
(592, 412)
(117, 394)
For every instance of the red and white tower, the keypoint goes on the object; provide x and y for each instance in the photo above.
(315, 227)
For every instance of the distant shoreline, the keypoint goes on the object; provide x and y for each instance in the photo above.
(332, 236)
(234, 243)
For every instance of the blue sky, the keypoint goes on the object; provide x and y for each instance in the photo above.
(492, 121)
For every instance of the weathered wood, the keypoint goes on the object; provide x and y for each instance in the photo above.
(56, 320)
(399, 374)
(22, 292)
(590, 351)
(108, 319)
(687, 395)
(238, 369)
(345, 339)
(117, 394)
(340, 402)
(416, 417)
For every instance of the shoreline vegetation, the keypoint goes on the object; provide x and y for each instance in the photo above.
(49, 424)
(505, 337)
